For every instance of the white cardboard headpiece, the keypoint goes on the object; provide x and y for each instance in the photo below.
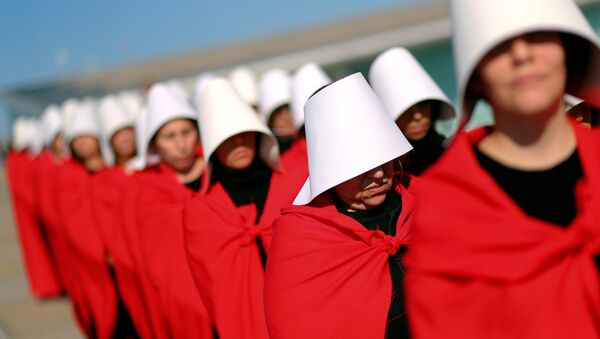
(51, 123)
(244, 82)
(201, 82)
(275, 90)
(479, 26)
(401, 82)
(347, 113)
(223, 114)
(305, 82)
(83, 122)
(132, 101)
(36, 136)
(163, 106)
(139, 162)
(178, 88)
(68, 109)
(20, 134)
(113, 117)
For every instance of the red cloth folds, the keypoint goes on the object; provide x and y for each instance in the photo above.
(128, 261)
(172, 296)
(40, 265)
(94, 287)
(225, 259)
(481, 267)
(327, 275)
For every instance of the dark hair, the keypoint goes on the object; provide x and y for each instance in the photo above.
(577, 52)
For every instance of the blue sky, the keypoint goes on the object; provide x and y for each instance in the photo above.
(49, 38)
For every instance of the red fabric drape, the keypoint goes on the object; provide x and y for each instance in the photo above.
(40, 265)
(482, 268)
(128, 261)
(174, 301)
(47, 187)
(94, 285)
(327, 275)
(225, 259)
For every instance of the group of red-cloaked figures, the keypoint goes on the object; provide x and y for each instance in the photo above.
(298, 207)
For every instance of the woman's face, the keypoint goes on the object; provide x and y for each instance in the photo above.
(368, 190)
(525, 75)
(238, 151)
(85, 147)
(281, 121)
(176, 143)
(57, 145)
(123, 143)
(416, 121)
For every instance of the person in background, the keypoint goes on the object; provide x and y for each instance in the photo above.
(275, 95)
(244, 81)
(415, 102)
(228, 231)
(47, 172)
(118, 148)
(39, 260)
(152, 205)
(506, 226)
(92, 290)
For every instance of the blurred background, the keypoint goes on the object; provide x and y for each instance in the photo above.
(55, 50)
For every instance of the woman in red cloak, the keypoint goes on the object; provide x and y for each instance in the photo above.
(507, 224)
(152, 232)
(91, 291)
(228, 231)
(21, 165)
(335, 269)
(118, 147)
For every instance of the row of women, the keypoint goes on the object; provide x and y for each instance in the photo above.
(348, 217)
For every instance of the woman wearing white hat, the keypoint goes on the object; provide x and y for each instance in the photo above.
(48, 168)
(150, 250)
(92, 289)
(228, 231)
(243, 80)
(118, 147)
(39, 259)
(509, 251)
(275, 96)
(414, 101)
(335, 269)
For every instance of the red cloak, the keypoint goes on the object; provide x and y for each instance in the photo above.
(482, 268)
(47, 186)
(107, 186)
(40, 265)
(224, 258)
(327, 275)
(128, 261)
(295, 162)
(173, 297)
(96, 290)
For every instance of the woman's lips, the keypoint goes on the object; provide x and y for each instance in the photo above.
(380, 189)
(526, 80)
(240, 153)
